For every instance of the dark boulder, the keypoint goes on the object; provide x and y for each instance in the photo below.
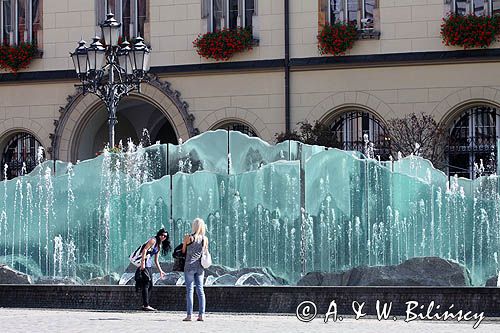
(87, 271)
(492, 282)
(59, 280)
(22, 264)
(11, 276)
(110, 279)
(422, 271)
(171, 279)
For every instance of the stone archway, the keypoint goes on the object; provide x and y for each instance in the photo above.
(343, 100)
(454, 104)
(77, 114)
(228, 114)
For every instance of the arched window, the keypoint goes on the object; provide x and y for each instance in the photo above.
(237, 126)
(349, 129)
(472, 139)
(21, 149)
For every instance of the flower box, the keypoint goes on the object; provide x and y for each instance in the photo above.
(337, 38)
(469, 31)
(16, 57)
(223, 44)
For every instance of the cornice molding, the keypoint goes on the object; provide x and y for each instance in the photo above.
(296, 64)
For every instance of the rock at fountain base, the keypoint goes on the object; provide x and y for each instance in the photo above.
(66, 280)
(110, 279)
(492, 282)
(422, 271)
(11, 276)
(215, 275)
(88, 271)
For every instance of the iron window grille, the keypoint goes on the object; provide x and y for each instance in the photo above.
(350, 128)
(473, 138)
(21, 150)
(234, 126)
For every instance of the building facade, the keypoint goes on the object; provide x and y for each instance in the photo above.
(399, 66)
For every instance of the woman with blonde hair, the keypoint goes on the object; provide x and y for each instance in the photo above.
(193, 246)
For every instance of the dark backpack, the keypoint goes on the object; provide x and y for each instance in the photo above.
(179, 259)
(141, 278)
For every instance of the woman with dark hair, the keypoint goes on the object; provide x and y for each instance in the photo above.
(153, 246)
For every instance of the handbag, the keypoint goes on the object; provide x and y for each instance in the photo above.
(136, 256)
(206, 259)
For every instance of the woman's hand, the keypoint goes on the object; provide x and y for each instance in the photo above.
(185, 242)
(162, 274)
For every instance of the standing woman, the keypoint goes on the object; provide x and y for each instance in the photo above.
(160, 242)
(193, 246)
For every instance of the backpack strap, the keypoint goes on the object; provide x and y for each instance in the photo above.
(148, 251)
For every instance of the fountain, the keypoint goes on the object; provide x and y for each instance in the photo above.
(292, 207)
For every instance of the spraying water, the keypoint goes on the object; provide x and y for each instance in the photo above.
(293, 208)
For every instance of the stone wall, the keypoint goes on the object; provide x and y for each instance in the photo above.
(253, 299)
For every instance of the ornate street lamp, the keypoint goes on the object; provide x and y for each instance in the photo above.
(111, 71)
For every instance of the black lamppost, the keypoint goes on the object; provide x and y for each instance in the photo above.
(111, 71)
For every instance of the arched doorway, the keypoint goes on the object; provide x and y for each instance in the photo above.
(134, 115)
(473, 139)
(79, 131)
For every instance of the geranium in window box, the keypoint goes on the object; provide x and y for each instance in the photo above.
(337, 38)
(16, 57)
(469, 31)
(221, 45)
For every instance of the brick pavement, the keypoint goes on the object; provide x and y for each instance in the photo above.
(49, 320)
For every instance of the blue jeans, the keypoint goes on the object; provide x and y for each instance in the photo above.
(196, 278)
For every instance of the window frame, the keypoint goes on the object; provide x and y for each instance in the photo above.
(241, 18)
(14, 20)
(360, 9)
(102, 9)
(470, 7)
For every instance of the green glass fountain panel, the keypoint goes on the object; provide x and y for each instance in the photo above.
(207, 151)
(322, 210)
(265, 219)
(379, 212)
(336, 211)
(197, 195)
(251, 153)
(307, 151)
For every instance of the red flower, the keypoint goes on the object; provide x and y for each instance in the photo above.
(221, 45)
(469, 31)
(337, 38)
(14, 58)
